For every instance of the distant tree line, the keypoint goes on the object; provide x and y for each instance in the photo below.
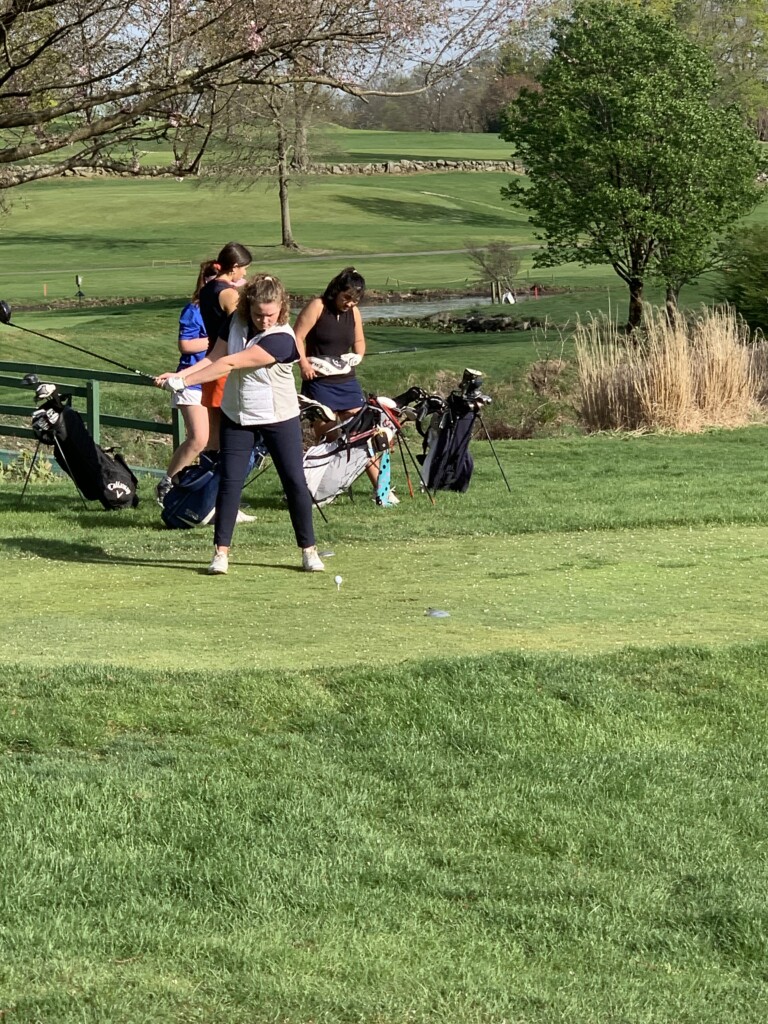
(734, 33)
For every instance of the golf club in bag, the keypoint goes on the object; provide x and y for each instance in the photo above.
(332, 466)
(446, 426)
(98, 474)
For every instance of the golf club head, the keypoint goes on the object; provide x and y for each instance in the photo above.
(5, 312)
(45, 391)
(312, 410)
(30, 380)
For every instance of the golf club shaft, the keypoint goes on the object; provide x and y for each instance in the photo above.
(390, 352)
(77, 348)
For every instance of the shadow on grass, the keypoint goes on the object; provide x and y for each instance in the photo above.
(35, 502)
(89, 242)
(431, 342)
(74, 551)
(72, 508)
(423, 213)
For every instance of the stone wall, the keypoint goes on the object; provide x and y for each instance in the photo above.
(417, 167)
(383, 167)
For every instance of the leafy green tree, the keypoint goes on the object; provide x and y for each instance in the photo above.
(629, 162)
(735, 34)
(745, 274)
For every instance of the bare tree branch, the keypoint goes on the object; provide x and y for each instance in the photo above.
(81, 80)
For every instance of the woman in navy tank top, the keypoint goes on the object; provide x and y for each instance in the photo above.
(328, 327)
(218, 300)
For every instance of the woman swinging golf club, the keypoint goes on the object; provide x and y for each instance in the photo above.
(255, 351)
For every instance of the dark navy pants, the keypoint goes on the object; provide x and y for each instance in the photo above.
(284, 443)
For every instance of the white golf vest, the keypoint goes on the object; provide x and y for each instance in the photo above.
(263, 395)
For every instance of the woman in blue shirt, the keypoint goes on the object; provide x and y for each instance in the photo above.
(193, 344)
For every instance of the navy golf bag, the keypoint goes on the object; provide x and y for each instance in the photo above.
(99, 474)
(446, 426)
(192, 499)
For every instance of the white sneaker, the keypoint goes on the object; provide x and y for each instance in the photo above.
(310, 560)
(242, 517)
(392, 499)
(219, 565)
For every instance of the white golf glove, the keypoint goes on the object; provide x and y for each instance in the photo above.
(174, 384)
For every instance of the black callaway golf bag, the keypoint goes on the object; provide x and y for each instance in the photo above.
(99, 475)
(446, 426)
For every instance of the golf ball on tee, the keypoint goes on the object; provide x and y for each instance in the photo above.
(338, 581)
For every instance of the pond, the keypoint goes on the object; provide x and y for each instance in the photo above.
(393, 310)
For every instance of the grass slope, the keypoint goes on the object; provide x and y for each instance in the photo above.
(146, 238)
(537, 839)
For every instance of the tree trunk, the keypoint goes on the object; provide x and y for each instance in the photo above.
(300, 160)
(282, 187)
(671, 302)
(635, 303)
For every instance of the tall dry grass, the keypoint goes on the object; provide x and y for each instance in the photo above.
(681, 376)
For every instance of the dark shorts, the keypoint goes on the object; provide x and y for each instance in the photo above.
(337, 394)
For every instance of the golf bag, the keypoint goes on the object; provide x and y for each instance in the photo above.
(332, 466)
(99, 474)
(446, 426)
(192, 499)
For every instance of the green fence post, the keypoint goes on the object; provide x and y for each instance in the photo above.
(178, 427)
(92, 410)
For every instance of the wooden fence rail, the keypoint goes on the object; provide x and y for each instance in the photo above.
(11, 375)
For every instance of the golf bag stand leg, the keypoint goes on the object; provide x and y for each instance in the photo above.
(490, 442)
(29, 471)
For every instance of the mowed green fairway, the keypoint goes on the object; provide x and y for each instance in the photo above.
(601, 543)
(266, 799)
(258, 798)
(506, 582)
(122, 234)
